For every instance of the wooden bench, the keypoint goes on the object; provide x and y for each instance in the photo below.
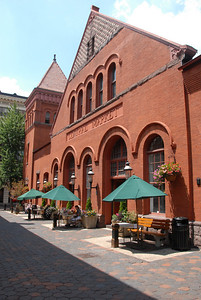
(156, 227)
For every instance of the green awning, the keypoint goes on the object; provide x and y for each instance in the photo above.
(60, 193)
(32, 194)
(134, 188)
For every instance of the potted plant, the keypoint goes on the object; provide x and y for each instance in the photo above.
(89, 216)
(167, 171)
(127, 217)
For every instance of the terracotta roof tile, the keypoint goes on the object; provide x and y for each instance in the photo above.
(54, 79)
(104, 28)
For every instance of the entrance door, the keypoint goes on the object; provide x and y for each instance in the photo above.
(115, 184)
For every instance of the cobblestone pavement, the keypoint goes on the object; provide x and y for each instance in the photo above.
(37, 262)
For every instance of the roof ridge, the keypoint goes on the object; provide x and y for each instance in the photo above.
(141, 31)
(45, 74)
(95, 12)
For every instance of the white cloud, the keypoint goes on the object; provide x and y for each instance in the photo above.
(181, 27)
(10, 86)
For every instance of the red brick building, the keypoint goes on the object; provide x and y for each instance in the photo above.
(130, 96)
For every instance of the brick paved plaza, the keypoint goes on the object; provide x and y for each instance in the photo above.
(37, 262)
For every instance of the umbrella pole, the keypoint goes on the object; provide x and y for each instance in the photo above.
(137, 230)
(137, 223)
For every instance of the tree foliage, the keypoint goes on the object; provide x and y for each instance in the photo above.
(12, 134)
(18, 189)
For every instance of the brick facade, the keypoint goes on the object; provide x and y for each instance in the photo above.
(155, 96)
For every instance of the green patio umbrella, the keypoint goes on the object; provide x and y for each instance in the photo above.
(60, 193)
(32, 194)
(134, 188)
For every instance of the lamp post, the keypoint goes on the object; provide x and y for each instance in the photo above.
(38, 184)
(127, 170)
(90, 179)
(55, 180)
(73, 177)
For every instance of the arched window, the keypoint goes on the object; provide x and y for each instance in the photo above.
(79, 105)
(112, 81)
(45, 177)
(54, 116)
(99, 90)
(118, 158)
(47, 117)
(72, 110)
(155, 154)
(38, 180)
(89, 98)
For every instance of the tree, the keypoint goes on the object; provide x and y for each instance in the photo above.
(18, 189)
(12, 135)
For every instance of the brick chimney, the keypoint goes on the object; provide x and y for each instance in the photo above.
(95, 8)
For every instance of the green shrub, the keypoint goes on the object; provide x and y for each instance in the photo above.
(69, 205)
(52, 204)
(123, 206)
(43, 202)
(88, 204)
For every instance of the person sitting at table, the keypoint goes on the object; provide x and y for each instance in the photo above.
(76, 219)
(29, 206)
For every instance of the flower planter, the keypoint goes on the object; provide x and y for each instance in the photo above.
(167, 171)
(171, 178)
(89, 221)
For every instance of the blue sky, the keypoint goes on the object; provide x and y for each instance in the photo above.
(32, 31)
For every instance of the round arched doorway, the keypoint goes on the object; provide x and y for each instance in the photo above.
(114, 160)
(69, 169)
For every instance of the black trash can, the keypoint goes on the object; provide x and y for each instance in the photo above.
(180, 234)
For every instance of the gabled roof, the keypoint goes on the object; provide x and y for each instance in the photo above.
(54, 79)
(104, 28)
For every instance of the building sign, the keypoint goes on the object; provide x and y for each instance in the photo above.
(96, 122)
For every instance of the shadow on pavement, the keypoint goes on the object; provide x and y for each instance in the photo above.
(30, 267)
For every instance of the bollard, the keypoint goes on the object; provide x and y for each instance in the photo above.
(115, 236)
(4, 206)
(29, 213)
(11, 209)
(54, 221)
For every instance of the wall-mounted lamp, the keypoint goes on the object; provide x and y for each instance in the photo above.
(198, 179)
(45, 181)
(26, 181)
(73, 177)
(55, 180)
(38, 184)
(127, 170)
(90, 178)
